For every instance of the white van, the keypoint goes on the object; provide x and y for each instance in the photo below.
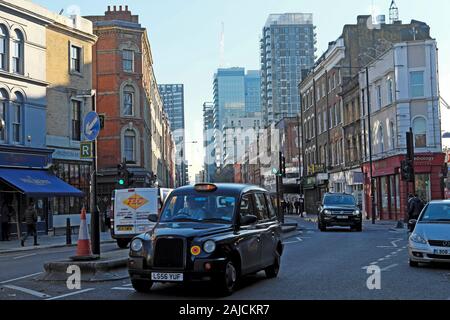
(131, 209)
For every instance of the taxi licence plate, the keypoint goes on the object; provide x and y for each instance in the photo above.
(342, 217)
(442, 252)
(171, 277)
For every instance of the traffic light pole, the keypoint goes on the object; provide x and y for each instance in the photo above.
(372, 184)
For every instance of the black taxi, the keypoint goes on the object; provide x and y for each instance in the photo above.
(208, 232)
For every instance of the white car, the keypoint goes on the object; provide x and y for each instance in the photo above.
(430, 240)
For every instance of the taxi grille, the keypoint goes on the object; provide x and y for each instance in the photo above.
(439, 243)
(169, 253)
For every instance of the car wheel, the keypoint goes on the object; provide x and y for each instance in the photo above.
(122, 243)
(359, 227)
(142, 286)
(322, 227)
(413, 264)
(272, 271)
(228, 280)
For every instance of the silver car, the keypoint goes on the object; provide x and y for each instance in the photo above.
(430, 240)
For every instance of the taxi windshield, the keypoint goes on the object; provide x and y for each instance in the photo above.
(339, 200)
(199, 207)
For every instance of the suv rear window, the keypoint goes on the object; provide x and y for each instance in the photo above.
(345, 200)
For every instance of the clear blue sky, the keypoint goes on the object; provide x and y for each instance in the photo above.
(185, 37)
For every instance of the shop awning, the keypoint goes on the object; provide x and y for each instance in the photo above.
(38, 183)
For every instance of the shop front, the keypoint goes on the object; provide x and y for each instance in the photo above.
(391, 193)
(24, 177)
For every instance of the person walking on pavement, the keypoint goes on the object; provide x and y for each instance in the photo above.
(6, 211)
(31, 221)
(297, 207)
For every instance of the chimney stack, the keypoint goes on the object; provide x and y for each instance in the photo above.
(109, 8)
(115, 8)
(120, 8)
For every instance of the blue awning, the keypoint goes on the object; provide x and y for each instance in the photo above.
(38, 183)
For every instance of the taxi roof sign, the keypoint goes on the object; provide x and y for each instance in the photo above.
(205, 187)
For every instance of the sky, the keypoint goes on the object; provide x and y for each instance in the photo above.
(185, 37)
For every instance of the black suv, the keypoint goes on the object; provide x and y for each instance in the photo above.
(208, 232)
(339, 209)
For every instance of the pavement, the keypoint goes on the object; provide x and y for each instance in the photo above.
(46, 242)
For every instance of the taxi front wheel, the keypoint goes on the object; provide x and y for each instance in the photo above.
(142, 285)
(227, 282)
(272, 271)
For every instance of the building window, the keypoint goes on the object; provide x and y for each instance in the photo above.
(390, 91)
(128, 60)
(379, 102)
(3, 47)
(17, 107)
(128, 101)
(420, 132)
(3, 107)
(76, 120)
(75, 59)
(417, 84)
(17, 53)
(130, 146)
(392, 135)
(381, 138)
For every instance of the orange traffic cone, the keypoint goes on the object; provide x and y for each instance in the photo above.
(84, 243)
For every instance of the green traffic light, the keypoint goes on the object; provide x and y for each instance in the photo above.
(121, 182)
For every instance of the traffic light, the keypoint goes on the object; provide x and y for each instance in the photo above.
(123, 175)
(282, 169)
(407, 171)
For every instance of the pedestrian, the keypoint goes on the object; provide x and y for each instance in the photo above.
(6, 212)
(297, 207)
(31, 221)
(290, 207)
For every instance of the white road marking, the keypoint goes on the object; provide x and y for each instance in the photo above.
(394, 244)
(29, 291)
(122, 288)
(24, 256)
(20, 278)
(373, 263)
(71, 294)
(127, 285)
(388, 256)
(390, 267)
(299, 239)
(381, 259)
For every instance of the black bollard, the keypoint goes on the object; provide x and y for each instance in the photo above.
(68, 232)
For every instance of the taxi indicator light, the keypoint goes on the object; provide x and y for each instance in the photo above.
(205, 187)
(195, 250)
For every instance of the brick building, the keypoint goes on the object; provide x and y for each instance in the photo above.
(127, 94)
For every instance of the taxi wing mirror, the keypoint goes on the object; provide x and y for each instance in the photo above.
(153, 217)
(248, 219)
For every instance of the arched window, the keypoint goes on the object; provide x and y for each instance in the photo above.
(16, 117)
(392, 128)
(381, 138)
(3, 107)
(128, 100)
(130, 146)
(420, 132)
(17, 52)
(4, 41)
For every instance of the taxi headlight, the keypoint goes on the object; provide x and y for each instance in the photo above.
(209, 246)
(327, 212)
(136, 245)
(356, 212)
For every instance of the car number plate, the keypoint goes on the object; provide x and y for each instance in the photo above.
(342, 217)
(124, 228)
(442, 252)
(160, 276)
